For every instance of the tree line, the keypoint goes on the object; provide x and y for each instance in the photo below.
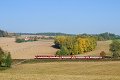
(99, 37)
(46, 34)
(102, 36)
(73, 45)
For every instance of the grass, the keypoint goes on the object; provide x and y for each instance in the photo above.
(107, 70)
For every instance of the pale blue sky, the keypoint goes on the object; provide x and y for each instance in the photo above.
(68, 16)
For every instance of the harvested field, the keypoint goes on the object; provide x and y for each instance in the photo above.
(108, 70)
(27, 50)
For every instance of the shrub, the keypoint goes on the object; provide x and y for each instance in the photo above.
(115, 48)
(102, 54)
(1, 55)
(5, 59)
(8, 60)
(62, 51)
(19, 40)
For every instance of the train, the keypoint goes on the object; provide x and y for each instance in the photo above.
(66, 57)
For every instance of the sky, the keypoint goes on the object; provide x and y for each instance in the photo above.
(66, 16)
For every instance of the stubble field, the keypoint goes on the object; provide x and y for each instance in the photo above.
(27, 50)
(64, 71)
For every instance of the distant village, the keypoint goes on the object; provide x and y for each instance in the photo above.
(26, 38)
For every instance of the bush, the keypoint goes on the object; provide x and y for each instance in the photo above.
(8, 60)
(115, 48)
(5, 59)
(102, 54)
(62, 51)
(20, 40)
(1, 55)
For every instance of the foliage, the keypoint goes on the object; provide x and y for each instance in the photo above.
(1, 55)
(62, 51)
(99, 37)
(5, 59)
(75, 44)
(106, 36)
(46, 34)
(19, 40)
(59, 41)
(8, 60)
(102, 54)
(115, 48)
(3, 33)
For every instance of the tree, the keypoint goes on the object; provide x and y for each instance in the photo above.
(5, 58)
(62, 51)
(115, 48)
(75, 44)
(1, 55)
(8, 60)
(59, 41)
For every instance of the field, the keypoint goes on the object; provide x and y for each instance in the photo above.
(28, 50)
(64, 71)
(98, 70)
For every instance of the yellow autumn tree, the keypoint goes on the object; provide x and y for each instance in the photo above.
(76, 44)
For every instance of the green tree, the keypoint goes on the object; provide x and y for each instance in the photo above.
(1, 55)
(8, 60)
(115, 48)
(5, 58)
(63, 51)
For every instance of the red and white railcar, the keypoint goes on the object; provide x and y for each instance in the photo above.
(66, 57)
